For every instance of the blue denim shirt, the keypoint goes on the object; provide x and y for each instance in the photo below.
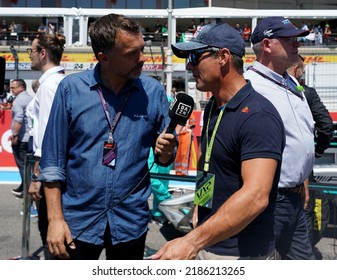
(72, 153)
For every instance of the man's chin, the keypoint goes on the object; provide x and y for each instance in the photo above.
(135, 74)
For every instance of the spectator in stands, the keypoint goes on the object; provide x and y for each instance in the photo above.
(157, 31)
(3, 30)
(246, 32)
(25, 27)
(12, 27)
(326, 34)
(193, 27)
(318, 35)
(26, 31)
(164, 29)
(42, 28)
(157, 27)
(238, 28)
(51, 28)
(200, 25)
(304, 27)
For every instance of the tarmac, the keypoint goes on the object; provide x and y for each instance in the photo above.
(11, 228)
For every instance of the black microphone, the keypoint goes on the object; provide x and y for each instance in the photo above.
(180, 111)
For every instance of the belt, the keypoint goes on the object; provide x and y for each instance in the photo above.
(296, 190)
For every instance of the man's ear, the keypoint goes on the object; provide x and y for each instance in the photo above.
(102, 57)
(266, 44)
(223, 55)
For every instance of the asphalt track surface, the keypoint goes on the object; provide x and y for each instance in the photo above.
(11, 231)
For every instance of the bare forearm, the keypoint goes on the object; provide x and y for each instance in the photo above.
(231, 218)
(16, 128)
(53, 200)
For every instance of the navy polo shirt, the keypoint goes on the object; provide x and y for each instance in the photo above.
(250, 128)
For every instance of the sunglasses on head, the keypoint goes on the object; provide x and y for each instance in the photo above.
(195, 56)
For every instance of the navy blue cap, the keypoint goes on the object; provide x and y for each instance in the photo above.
(274, 27)
(212, 35)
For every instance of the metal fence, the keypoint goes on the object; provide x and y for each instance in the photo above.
(25, 248)
(321, 73)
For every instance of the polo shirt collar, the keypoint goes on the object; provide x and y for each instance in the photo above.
(240, 96)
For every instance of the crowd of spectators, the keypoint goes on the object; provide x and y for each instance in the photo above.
(320, 33)
(23, 32)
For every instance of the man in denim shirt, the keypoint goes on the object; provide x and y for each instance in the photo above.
(102, 125)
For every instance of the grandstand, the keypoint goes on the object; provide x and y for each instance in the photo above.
(73, 22)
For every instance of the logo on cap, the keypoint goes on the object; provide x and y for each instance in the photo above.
(268, 33)
(286, 21)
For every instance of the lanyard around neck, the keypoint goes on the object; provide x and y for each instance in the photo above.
(209, 146)
(112, 125)
(276, 82)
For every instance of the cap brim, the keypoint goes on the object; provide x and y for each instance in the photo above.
(296, 33)
(182, 50)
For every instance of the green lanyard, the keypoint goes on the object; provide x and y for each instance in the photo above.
(209, 146)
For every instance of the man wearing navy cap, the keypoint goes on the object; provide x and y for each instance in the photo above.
(240, 164)
(276, 48)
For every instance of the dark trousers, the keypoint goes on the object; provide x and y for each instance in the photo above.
(131, 250)
(19, 152)
(43, 224)
(291, 232)
(43, 219)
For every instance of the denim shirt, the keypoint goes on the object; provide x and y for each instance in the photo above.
(72, 153)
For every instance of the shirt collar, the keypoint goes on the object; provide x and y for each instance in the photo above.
(240, 96)
(270, 73)
(51, 71)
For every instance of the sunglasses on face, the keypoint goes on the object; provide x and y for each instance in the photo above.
(195, 56)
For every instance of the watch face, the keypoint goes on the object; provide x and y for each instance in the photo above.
(35, 176)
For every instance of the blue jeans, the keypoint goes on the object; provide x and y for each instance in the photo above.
(291, 232)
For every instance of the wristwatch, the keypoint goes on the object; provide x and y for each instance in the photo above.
(35, 177)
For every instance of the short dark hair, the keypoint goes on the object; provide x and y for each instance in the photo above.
(237, 63)
(21, 83)
(103, 31)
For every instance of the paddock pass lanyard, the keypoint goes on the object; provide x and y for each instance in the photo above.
(112, 125)
(209, 146)
(277, 82)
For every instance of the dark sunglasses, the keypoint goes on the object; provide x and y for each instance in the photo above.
(195, 56)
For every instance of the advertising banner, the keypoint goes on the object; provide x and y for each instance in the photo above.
(6, 155)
